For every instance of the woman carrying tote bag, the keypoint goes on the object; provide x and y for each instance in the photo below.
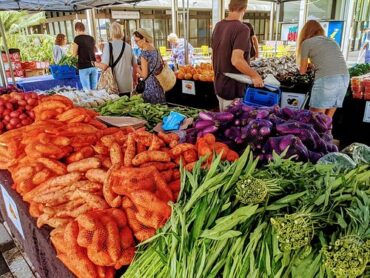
(121, 58)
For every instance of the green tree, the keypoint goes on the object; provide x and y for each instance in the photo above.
(15, 22)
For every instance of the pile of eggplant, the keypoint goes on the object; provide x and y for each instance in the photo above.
(304, 135)
(284, 69)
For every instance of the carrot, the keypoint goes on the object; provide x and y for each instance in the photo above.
(203, 148)
(210, 138)
(149, 218)
(160, 166)
(109, 195)
(126, 258)
(190, 156)
(156, 144)
(84, 152)
(134, 224)
(126, 237)
(60, 141)
(144, 234)
(53, 165)
(49, 149)
(99, 148)
(168, 138)
(120, 137)
(116, 155)
(232, 156)
(88, 186)
(63, 99)
(181, 148)
(127, 203)
(113, 239)
(176, 174)
(93, 200)
(189, 167)
(149, 156)
(41, 176)
(130, 151)
(119, 217)
(96, 175)
(150, 201)
(84, 165)
(140, 148)
(80, 141)
(221, 148)
(175, 186)
(96, 251)
(108, 140)
(99, 125)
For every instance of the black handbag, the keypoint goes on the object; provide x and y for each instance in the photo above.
(140, 87)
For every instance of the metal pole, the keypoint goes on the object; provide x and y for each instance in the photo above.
(277, 15)
(347, 30)
(184, 21)
(4, 80)
(302, 14)
(174, 7)
(218, 11)
(271, 27)
(7, 51)
(187, 34)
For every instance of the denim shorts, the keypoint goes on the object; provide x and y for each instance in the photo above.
(329, 91)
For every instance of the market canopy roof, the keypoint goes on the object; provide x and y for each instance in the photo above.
(59, 5)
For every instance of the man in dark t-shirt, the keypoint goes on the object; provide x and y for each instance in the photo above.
(84, 47)
(231, 47)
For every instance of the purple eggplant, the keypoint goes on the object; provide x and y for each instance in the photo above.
(210, 129)
(262, 114)
(273, 145)
(332, 148)
(285, 142)
(304, 116)
(224, 116)
(275, 119)
(247, 108)
(201, 124)
(288, 113)
(244, 132)
(327, 137)
(208, 116)
(265, 131)
(237, 122)
(314, 156)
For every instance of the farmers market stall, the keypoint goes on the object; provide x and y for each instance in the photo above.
(46, 82)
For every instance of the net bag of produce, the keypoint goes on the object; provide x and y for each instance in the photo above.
(359, 152)
(341, 161)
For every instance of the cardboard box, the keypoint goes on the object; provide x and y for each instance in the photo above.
(37, 72)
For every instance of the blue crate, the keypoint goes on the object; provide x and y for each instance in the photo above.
(258, 97)
(62, 72)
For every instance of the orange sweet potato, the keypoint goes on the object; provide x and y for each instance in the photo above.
(116, 155)
(181, 148)
(84, 165)
(130, 151)
(53, 165)
(149, 156)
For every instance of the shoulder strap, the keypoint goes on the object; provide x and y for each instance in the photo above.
(119, 56)
(110, 54)
(155, 66)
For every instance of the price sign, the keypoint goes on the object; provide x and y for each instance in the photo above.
(12, 211)
(188, 87)
(367, 112)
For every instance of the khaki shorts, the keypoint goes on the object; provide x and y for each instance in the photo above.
(223, 103)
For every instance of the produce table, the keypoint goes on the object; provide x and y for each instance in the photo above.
(348, 125)
(35, 243)
(201, 96)
(47, 82)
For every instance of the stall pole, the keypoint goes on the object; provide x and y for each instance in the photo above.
(271, 27)
(187, 33)
(4, 80)
(218, 11)
(347, 30)
(184, 21)
(174, 8)
(302, 14)
(277, 15)
(2, 31)
(90, 16)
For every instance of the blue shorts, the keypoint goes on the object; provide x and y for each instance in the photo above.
(329, 91)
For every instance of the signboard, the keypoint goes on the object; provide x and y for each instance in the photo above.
(12, 210)
(188, 87)
(125, 15)
(367, 112)
(333, 29)
(293, 100)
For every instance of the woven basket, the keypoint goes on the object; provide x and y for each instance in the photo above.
(166, 78)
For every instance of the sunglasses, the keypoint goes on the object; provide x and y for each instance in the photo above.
(138, 35)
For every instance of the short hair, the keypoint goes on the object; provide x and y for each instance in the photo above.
(237, 5)
(116, 31)
(60, 39)
(79, 26)
(172, 37)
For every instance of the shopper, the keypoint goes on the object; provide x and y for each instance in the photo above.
(231, 50)
(366, 46)
(124, 61)
(331, 73)
(84, 47)
(254, 54)
(150, 65)
(178, 50)
(59, 48)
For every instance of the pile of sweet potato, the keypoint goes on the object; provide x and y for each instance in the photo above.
(100, 188)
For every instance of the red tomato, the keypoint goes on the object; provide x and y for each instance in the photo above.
(1, 126)
(7, 118)
(22, 116)
(15, 114)
(9, 106)
(7, 111)
(14, 121)
(2, 109)
(32, 101)
(22, 102)
(31, 114)
(29, 107)
(9, 126)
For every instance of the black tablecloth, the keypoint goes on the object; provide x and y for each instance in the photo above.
(36, 243)
(348, 125)
(204, 98)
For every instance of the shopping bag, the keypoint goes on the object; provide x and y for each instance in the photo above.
(108, 82)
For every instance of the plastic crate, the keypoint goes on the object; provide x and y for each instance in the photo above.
(267, 96)
(62, 72)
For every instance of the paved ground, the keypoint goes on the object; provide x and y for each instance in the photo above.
(12, 262)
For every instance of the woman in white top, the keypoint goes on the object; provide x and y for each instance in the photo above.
(59, 48)
(124, 60)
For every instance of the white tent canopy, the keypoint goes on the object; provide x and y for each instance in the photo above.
(59, 5)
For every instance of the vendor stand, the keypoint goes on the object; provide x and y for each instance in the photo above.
(47, 82)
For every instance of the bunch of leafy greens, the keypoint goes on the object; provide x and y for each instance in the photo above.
(304, 220)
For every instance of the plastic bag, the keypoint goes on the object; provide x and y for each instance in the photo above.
(359, 152)
(341, 161)
(173, 121)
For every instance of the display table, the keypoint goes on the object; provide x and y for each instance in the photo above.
(348, 124)
(46, 82)
(197, 94)
(35, 242)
